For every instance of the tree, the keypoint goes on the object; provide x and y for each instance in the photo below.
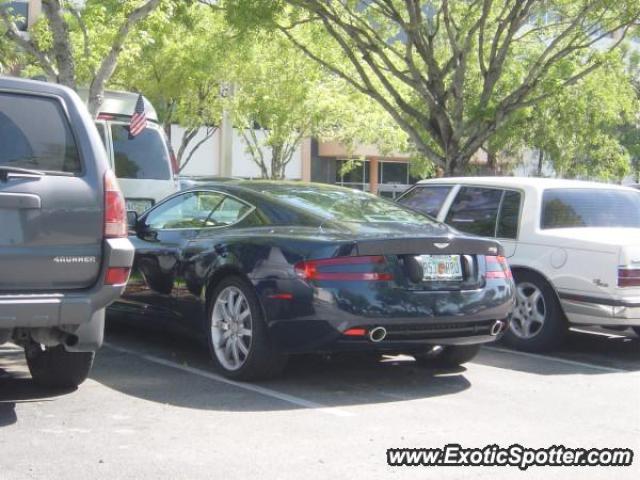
(582, 131)
(104, 28)
(282, 97)
(452, 73)
(182, 71)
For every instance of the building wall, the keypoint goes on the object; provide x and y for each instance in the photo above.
(206, 159)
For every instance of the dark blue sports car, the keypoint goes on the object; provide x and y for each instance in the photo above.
(265, 270)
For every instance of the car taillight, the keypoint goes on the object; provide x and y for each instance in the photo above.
(497, 267)
(116, 275)
(628, 277)
(343, 268)
(115, 214)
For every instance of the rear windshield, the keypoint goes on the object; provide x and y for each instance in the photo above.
(144, 156)
(347, 205)
(569, 208)
(35, 134)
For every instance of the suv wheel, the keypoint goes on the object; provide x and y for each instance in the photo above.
(537, 323)
(448, 356)
(237, 334)
(54, 367)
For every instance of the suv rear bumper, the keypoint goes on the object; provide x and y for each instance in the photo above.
(600, 311)
(67, 308)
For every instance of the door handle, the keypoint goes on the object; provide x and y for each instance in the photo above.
(20, 201)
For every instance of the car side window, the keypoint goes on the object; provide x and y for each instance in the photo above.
(228, 211)
(189, 210)
(475, 211)
(509, 216)
(427, 200)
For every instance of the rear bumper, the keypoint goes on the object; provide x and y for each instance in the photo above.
(600, 311)
(323, 336)
(316, 320)
(67, 308)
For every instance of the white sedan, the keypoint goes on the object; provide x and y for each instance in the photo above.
(574, 247)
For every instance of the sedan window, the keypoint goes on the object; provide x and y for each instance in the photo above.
(428, 200)
(475, 211)
(571, 208)
(229, 211)
(189, 210)
(509, 215)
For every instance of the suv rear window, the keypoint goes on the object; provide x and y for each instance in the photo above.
(35, 134)
(570, 208)
(144, 156)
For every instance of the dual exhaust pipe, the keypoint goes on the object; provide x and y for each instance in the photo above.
(378, 334)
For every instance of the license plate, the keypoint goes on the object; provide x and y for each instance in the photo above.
(138, 206)
(446, 268)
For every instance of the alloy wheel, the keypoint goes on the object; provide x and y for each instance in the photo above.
(530, 312)
(231, 328)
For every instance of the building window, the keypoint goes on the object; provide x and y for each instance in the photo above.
(393, 172)
(19, 8)
(357, 177)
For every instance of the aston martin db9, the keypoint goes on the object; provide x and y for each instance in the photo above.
(266, 270)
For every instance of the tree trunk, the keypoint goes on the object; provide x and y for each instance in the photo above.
(492, 162)
(277, 164)
(540, 162)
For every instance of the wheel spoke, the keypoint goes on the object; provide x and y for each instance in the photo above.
(242, 347)
(244, 314)
(245, 332)
(234, 351)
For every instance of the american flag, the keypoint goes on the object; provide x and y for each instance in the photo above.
(138, 119)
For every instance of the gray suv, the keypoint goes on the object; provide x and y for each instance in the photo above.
(64, 252)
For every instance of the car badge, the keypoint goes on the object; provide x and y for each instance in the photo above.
(441, 245)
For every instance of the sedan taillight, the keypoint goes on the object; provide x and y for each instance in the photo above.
(628, 277)
(498, 267)
(343, 269)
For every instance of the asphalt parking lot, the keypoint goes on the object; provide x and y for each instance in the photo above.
(154, 409)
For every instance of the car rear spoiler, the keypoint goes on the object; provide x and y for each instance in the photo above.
(422, 245)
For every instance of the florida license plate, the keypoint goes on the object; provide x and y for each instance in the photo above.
(446, 268)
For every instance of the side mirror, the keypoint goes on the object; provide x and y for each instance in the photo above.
(132, 219)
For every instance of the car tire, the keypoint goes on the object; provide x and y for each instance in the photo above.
(54, 367)
(257, 356)
(538, 323)
(448, 356)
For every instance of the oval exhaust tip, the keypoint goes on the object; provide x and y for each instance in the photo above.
(377, 334)
(496, 328)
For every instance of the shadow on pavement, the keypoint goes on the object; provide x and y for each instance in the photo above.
(16, 386)
(7, 414)
(594, 353)
(336, 382)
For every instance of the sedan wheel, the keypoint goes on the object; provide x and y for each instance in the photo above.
(537, 323)
(231, 328)
(238, 338)
(530, 312)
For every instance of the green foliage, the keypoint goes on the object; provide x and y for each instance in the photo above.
(452, 74)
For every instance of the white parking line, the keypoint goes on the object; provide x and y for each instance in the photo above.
(602, 334)
(564, 361)
(267, 392)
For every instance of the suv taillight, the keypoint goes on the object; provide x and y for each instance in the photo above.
(344, 269)
(115, 213)
(628, 277)
(498, 267)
